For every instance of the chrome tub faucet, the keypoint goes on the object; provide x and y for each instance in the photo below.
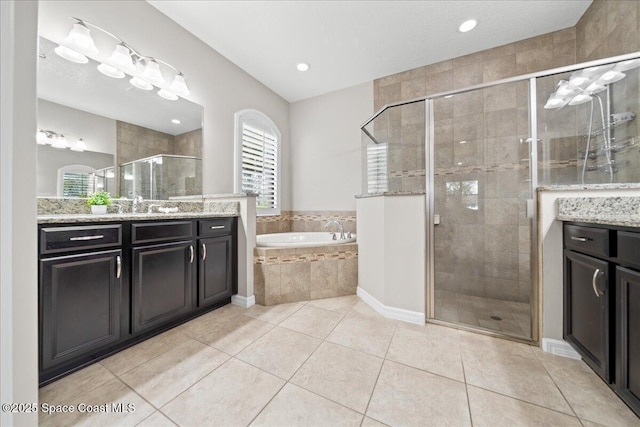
(340, 227)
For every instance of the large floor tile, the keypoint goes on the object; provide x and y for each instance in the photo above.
(168, 375)
(432, 331)
(77, 384)
(587, 394)
(495, 410)
(491, 345)
(273, 313)
(280, 351)
(313, 321)
(513, 375)
(232, 395)
(135, 356)
(343, 375)
(338, 304)
(364, 332)
(112, 392)
(438, 356)
(294, 406)
(370, 422)
(202, 324)
(233, 335)
(406, 396)
(157, 419)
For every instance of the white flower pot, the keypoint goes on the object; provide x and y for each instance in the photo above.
(99, 209)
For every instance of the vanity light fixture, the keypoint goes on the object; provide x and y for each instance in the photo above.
(79, 45)
(302, 66)
(467, 25)
(60, 141)
(79, 146)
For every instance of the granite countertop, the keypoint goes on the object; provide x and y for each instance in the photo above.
(73, 218)
(573, 187)
(620, 211)
(391, 193)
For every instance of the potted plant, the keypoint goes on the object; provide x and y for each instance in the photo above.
(99, 201)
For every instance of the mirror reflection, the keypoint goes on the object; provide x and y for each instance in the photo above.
(94, 127)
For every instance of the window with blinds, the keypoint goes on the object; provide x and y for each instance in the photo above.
(377, 169)
(76, 185)
(259, 163)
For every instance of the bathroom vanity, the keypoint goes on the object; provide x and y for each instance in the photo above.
(602, 298)
(108, 282)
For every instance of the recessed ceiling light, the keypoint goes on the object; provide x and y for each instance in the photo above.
(303, 66)
(467, 25)
(175, 121)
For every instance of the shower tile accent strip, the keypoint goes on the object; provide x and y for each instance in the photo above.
(299, 274)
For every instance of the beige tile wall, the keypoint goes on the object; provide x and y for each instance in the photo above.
(137, 142)
(305, 221)
(284, 275)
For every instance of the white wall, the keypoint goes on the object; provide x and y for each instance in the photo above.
(325, 148)
(215, 83)
(97, 132)
(18, 256)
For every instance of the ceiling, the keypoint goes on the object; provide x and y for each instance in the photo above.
(352, 42)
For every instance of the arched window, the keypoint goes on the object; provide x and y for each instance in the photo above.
(258, 160)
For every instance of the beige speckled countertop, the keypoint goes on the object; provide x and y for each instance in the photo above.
(620, 211)
(78, 218)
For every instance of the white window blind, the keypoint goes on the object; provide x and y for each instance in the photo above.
(260, 165)
(377, 169)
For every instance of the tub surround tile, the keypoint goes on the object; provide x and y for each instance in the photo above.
(295, 406)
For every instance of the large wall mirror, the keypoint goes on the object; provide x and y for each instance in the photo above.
(133, 141)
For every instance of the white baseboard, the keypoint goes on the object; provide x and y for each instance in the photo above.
(245, 302)
(391, 312)
(559, 348)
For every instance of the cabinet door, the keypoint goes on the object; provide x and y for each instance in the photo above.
(586, 305)
(161, 283)
(79, 305)
(215, 272)
(628, 339)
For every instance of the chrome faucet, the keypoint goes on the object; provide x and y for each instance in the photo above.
(340, 227)
(136, 204)
(150, 209)
(119, 206)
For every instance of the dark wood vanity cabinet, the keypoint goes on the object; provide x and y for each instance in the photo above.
(605, 329)
(103, 287)
(79, 293)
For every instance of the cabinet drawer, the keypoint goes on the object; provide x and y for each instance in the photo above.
(587, 239)
(215, 226)
(159, 231)
(65, 239)
(629, 247)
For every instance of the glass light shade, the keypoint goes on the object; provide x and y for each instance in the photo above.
(168, 95)
(580, 99)
(121, 58)
(467, 25)
(152, 73)
(595, 88)
(110, 71)
(179, 86)
(596, 70)
(611, 76)
(555, 102)
(42, 138)
(627, 65)
(579, 80)
(79, 146)
(567, 89)
(71, 55)
(80, 39)
(59, 142)
(141, 84)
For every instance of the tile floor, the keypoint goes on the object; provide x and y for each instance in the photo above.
(334, 362)
(515, 317)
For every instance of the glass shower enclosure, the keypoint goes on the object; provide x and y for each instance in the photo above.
(161, 177)
(483, 152)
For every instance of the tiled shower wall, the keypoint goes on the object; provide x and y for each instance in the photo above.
(137, 142)
(305, 221)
